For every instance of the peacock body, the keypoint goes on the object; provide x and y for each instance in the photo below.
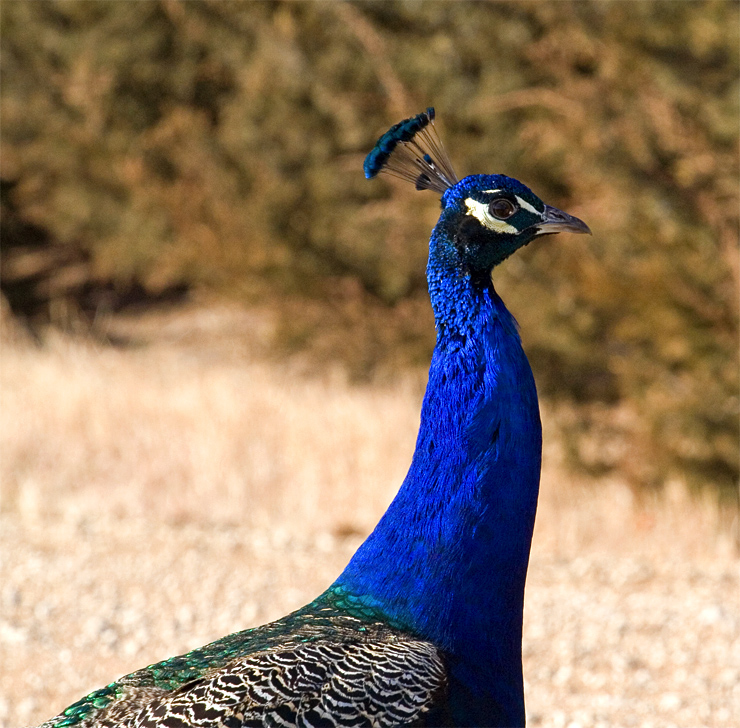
(424, 626)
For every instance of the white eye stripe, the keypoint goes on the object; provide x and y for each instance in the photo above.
(522, 203)
(526, 206)
(479, 210)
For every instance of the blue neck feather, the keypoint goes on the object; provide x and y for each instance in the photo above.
(448, 560)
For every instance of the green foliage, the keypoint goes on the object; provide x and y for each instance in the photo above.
(219, 145)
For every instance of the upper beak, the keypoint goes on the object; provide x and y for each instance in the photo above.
(557, 221)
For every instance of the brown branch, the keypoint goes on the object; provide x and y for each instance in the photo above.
(399, 102)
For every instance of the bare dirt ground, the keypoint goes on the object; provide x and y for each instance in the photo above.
(156, 498)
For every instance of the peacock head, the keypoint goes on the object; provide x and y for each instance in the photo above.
(485, 217)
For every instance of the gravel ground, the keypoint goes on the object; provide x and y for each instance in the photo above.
(609, 641)
(155, 499)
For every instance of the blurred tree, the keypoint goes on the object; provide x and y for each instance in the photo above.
(151, 148)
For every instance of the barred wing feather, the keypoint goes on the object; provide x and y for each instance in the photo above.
(312, 685)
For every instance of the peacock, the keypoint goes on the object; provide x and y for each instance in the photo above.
(424, 625)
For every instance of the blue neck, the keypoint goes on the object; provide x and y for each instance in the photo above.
(448, 560)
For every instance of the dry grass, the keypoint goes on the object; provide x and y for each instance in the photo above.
(155, 498)
(126, 434)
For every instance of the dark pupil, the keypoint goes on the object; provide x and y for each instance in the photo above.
(502, 209)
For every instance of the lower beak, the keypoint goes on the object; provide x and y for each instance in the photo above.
(557, 221)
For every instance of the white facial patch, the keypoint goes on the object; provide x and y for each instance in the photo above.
(479, 210)
(526, 206)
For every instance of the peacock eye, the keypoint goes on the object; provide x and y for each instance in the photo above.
(502, 208)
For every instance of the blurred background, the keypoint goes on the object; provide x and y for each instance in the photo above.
(211, 317)
(152, 151)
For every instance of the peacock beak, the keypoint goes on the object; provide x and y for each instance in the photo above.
(557, 221)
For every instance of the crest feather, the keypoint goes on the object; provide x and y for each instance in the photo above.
(412, 150)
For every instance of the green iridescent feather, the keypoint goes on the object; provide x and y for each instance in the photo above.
(333, 613)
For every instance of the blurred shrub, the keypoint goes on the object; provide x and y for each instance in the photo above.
(161, 146)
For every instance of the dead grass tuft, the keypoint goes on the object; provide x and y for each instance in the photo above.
(90, 431)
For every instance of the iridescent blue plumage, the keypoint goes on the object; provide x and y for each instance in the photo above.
(424, 626)
(462, 522)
